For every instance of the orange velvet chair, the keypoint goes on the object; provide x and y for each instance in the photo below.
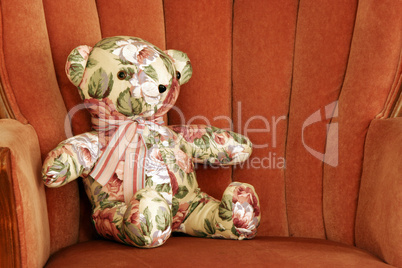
(299, 78)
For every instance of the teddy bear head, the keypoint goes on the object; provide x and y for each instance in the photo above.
(135, 77)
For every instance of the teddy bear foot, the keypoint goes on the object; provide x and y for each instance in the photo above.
(237, 216)
(148, 220)
(145, 222)
(240, 205)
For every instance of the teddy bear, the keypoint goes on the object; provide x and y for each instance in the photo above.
(137, 172)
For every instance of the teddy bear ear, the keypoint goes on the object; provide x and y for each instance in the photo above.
(76, 63)
(182, 64)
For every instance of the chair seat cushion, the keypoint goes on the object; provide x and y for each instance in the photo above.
(202, 252)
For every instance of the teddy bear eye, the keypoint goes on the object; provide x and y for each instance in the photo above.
(178, 75)
(121, 75)
(162, 88)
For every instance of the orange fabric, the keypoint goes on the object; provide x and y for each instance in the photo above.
(263, 43)
(137, 18)
(81, 28)
(203, 29)
(199, 252)
(374, 58)
(323, 36)
(87, 228)
(32, 217)
(5, 83)
(379, 214)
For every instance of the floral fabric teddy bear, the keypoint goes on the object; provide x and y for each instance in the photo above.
(138, 173)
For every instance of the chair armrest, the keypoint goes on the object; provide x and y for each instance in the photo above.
(9, 245)
(379, 211)
(24, 225)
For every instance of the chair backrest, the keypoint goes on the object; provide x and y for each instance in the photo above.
(278, 71)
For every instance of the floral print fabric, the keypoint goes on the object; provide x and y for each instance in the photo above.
(169, 199)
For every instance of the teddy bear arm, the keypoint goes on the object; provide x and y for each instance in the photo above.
(71, 159)
(214, 145)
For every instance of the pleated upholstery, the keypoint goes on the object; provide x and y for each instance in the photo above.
(143, 19)
(374, 64)
(337, 71)
(323, 35)
(263, 44)
(65, 35)
(302, 79)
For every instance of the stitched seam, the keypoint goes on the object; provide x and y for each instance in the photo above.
(396, 108)
(100, 23)
(231, 81)
(5, 82)
(164, 24)
(395, 90)
(288, 118)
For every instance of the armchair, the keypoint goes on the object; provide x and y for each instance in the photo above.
(315, 85)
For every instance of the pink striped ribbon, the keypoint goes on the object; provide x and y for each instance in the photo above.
(125, 141)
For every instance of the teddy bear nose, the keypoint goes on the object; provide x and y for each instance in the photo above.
(162, 88)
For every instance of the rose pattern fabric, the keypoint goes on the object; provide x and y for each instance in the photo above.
(171, 200)
(221, 138)
(135, 52)
(86, 149)
(155, 168)
(183, 161)
(180, 215)
(135, 216)
(190, 133)
(244, 219)
(246, 210)
(143, 86)
(79, 152)
(104, 223)
(114, 188)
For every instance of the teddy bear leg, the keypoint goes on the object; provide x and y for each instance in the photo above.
(147, 220)
(108, 220)
(241, 207)
(237, 216)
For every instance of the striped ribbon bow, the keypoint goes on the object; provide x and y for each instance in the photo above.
(125, 141)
